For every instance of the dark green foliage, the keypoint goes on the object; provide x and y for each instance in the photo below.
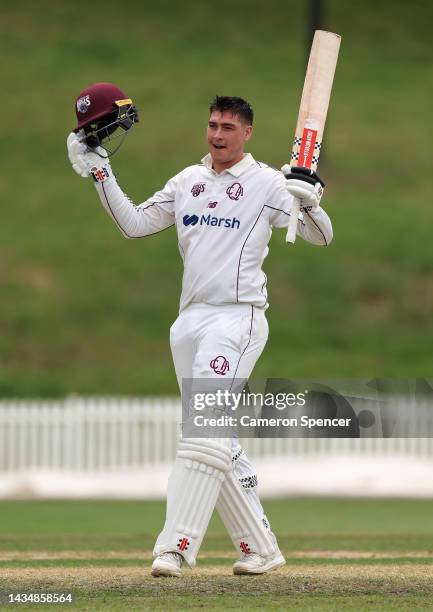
(83, 310)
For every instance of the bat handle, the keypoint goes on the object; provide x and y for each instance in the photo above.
(293, 221)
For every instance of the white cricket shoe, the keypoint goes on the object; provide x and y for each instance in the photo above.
(167, 564)
(253, 563)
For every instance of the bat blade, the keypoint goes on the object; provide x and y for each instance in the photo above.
(313, 109)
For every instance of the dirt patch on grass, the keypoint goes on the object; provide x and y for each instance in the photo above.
(217, 579)
(356, 554)
(78, 555)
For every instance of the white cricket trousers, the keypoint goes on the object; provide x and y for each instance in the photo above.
(222, 342)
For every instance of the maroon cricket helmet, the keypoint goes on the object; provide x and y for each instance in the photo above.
(101, 108)
(96, 101)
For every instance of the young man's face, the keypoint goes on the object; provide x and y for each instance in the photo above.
(226, 137)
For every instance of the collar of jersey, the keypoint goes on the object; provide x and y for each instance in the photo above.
(236, 170)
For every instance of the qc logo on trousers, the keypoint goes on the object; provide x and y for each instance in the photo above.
(220, 365)
(211, 221)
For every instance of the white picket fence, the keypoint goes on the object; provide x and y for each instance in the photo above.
(87, 434)
(104, 433)
(84, 437)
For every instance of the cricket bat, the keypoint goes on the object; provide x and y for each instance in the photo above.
(316, 94)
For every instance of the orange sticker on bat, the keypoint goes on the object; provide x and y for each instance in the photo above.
(306, 151)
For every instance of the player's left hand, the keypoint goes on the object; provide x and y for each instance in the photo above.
(86, 161)
(304, 184)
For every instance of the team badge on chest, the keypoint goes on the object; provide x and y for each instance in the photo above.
(235, 191)
(197, 189)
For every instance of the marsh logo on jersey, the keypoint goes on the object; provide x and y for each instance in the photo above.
(190, 220)
(83, 104)
(197, 189)
(220, 365)
(211, 221)
(235, 191)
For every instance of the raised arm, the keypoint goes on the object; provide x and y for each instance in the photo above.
(150, 217)
(314, 225)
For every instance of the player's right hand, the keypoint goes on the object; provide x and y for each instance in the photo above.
(86, 161)
(305, 185)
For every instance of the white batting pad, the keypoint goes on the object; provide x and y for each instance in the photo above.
(247, 531)
(193, 488)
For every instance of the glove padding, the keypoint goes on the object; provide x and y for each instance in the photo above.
(88, 162)
(304, 184)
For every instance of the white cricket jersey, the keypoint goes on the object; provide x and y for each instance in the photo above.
(224, 223)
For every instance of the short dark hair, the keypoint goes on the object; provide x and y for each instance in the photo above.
(233, 105)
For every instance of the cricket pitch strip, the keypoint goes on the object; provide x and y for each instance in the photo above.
(326, 577)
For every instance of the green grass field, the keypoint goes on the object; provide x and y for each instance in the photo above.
(86, 311)
(342, 554)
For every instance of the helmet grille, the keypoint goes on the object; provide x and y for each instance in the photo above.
(111, 127)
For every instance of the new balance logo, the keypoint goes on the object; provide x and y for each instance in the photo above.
(230, 222)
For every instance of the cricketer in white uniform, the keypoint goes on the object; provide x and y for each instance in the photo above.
(224, 210)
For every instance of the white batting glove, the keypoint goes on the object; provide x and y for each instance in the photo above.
(88, 162)
(305, 185)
